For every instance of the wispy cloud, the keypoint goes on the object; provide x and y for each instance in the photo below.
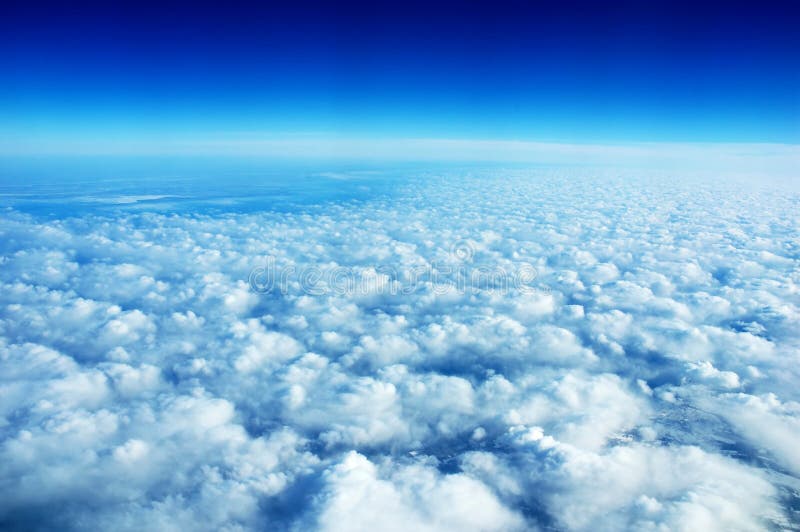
(767, 160)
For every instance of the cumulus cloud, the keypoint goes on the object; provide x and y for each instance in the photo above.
(643, 376)
(357, 496)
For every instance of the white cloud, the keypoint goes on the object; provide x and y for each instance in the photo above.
(360, 496)
(645, 379)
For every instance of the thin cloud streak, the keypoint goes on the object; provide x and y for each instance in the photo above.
(776, 160)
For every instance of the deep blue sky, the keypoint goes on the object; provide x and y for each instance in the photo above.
(559, 71)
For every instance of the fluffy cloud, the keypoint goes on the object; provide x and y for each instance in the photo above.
(358, 496)
(627, 358)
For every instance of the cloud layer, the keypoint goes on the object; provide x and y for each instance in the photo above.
(648, 381)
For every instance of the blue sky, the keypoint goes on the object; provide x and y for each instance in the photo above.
(133, 75)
